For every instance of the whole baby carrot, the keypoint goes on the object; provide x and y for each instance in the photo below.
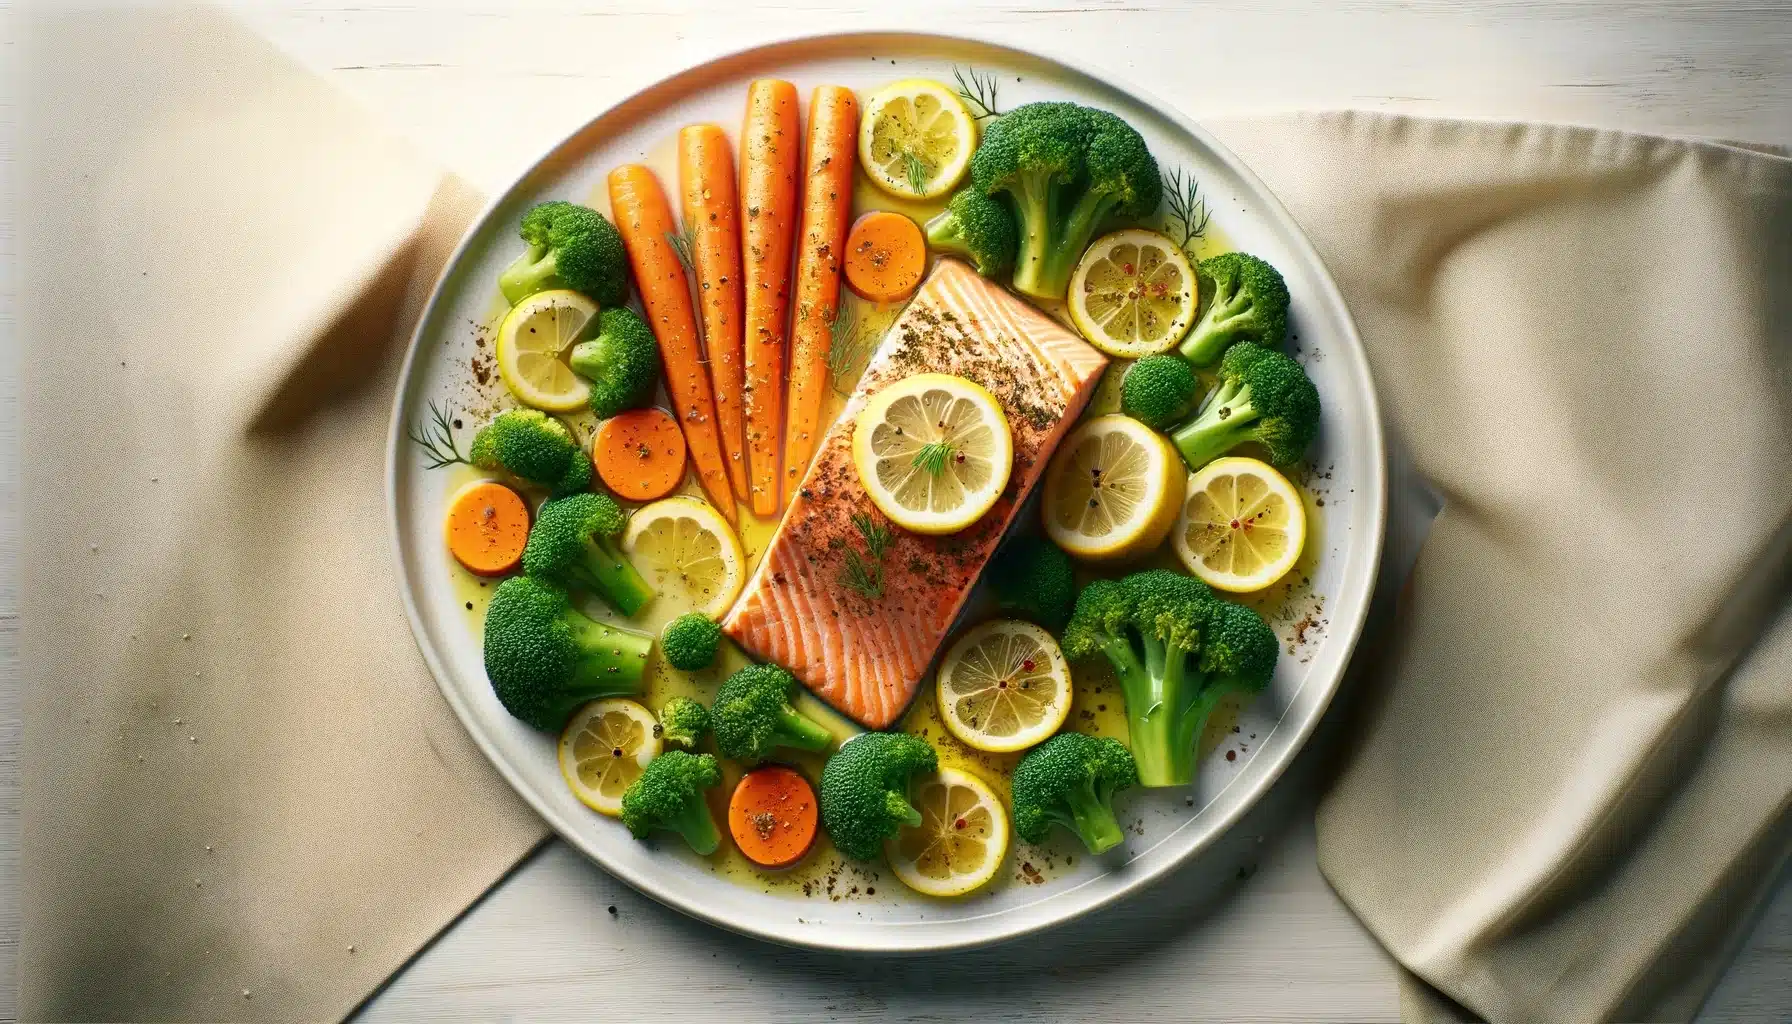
(645, 220)
(712, 216)
(770, 153)
(827, 206)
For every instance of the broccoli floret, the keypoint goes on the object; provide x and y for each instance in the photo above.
(1070, 780)
(545, 659)
(1177, 650)
(1262, 396)
(669, 796)
(683, 722)
(752, 716)
(534, 447)
(1250, 303)
(979, 228)
(689, 642)
(570, 246)
(1033, 579)
(864, 790)
(1159, 391)
(1069, 170)
(622, 362)
(573, 543)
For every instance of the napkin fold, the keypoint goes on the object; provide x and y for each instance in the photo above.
(245, 799)
(1572, 778)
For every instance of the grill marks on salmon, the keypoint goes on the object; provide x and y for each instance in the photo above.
(867, 656)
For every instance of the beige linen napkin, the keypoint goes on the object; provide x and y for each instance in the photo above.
(1571, 781)
(244, 797)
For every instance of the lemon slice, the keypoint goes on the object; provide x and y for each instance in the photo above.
(604, 748)
(1133, 294)
(532, 344)
(1242, 526)
(687, 553)
(1004, 686)
(916, 139)
(962, 838)
(933, 452)
(1113, 489)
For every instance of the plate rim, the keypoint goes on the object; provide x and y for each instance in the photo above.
(1358, 595)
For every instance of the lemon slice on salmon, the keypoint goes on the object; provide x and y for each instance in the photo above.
(1113, 489)
(933, 451)
(688, 554)
(962, 838)
(532, 344)
(1242, 525)
(916, 139)
(1004, 686)
(604, 748)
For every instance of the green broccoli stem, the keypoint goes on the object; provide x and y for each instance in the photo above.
(1225, 421)
(532, 272)
(901, 810)
(613, 577)
(1036, 265)
(1212, 336)
(1152, 690)
(1049, 257)
(1092, 818)
(614, 660)
(946, 234)
(796, 730)
(697, 826)
(1156, 707)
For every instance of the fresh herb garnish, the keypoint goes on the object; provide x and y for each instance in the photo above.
(875, 534)
(683, 242)
(865, 573)
(435, 435)
(916, 170)
(979, 93)
(932, 457)
(1187, 207)
(848, 346)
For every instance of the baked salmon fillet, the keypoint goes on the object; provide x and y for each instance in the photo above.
(867, 656)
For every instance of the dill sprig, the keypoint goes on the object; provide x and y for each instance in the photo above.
(916, 170)
(979, 93)
(435, 435)
(847, 347)
(876, 535)
(866, 578)
(864, 574)
(683, 241)
(1187, 207)
(932, 457)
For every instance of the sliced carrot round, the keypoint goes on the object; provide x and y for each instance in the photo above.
(772, 816)
(488, 524)
(885, 256)
(640, 454)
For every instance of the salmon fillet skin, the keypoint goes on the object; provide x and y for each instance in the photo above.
(867, 656)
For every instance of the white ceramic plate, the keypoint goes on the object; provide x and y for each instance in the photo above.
(1165, 827)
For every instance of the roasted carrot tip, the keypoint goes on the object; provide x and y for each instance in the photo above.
(885, 257)
(487, 526)
(640, 454)
(772, 816)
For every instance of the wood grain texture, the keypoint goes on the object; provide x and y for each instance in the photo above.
(1252, 933)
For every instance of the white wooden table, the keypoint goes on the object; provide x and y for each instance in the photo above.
(1254, 934)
